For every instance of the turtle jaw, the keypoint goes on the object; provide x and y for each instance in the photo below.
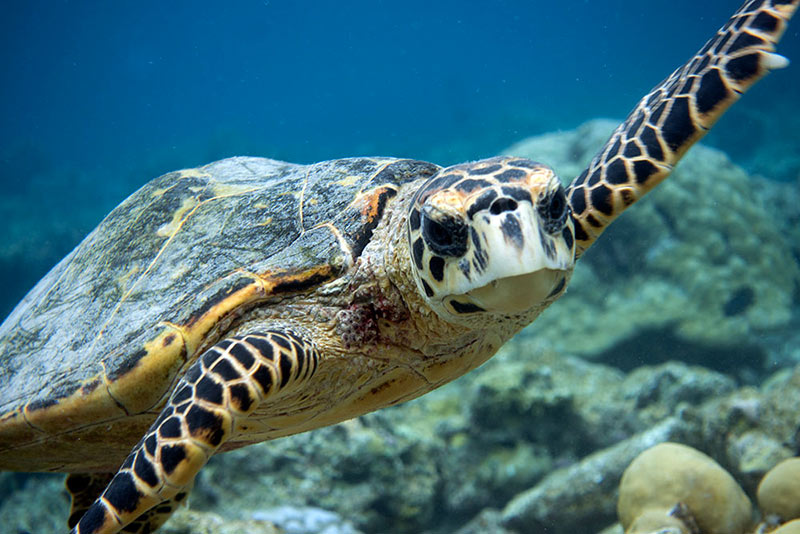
(519, 293)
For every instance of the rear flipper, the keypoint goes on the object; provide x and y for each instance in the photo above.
(224, 386)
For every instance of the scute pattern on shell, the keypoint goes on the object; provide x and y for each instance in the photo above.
(180, 244)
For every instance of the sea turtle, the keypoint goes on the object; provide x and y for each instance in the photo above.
(251, 299)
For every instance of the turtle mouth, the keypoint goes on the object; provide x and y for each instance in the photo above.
(519, 293)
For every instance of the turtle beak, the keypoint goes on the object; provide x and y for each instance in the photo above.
(517, 294)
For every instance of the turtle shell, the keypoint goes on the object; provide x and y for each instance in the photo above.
(104, 335)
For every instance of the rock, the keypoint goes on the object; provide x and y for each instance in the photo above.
(581, 497)
(669, 475)
(305, 520)
(779, 491)
(185, 521)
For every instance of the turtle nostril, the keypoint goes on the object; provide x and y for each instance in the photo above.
(502, 204)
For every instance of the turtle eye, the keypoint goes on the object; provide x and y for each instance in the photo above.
(444, 234)
(553, 210)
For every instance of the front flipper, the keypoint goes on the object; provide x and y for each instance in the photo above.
(223, 386)
(643, 150)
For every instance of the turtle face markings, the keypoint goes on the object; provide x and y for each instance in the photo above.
(490, 236)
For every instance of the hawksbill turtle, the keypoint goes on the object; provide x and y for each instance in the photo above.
(251, 299)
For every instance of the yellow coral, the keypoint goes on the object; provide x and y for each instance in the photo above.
(792, 527)
(670, 473)
(779, 491)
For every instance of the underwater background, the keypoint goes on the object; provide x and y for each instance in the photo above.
(97, 98)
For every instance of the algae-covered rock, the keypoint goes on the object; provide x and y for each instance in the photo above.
(670, 474)
(779, 492)
(700, 262)
(185, 521)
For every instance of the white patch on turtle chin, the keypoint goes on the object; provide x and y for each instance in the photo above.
(515, 294)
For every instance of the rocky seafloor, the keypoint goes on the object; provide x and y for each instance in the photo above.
(680, 324)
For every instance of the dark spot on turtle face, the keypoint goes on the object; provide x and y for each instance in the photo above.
(480, 171)
(471, 184)
(643, 170)
(511, 175)
(743, 67)
(144, 470)
(263, 378)
(512, 231)
(739, 301)
(524, 163)
(502, 204)
(601, 200)
(417, 250)
(465, 307)
(445, 235)
(209, 390)
(122, 493)
(559, 287)
(205, 424)
(481, 203)
(171, 428)
(413, 220)
(427, 288)
(518, 193)
(617, 173)
(553, 210)
(240, 397)
(93, 520)
(168, 339)
(171, 456)
(463, 266)
(225, 370)
(436, 266)
(712, 91)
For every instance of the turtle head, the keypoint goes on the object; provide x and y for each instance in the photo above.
(491, 236)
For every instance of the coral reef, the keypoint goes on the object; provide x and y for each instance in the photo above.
(779, 491)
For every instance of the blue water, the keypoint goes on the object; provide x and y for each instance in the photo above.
(99, 97)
